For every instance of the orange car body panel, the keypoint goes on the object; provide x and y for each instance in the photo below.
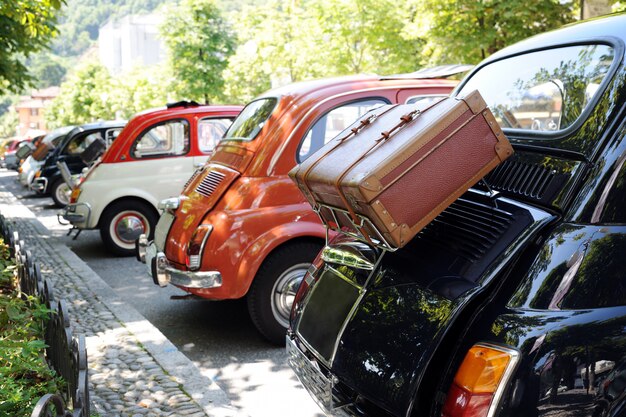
(257, 208)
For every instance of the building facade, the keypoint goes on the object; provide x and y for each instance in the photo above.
(31, 111)
(130, 41)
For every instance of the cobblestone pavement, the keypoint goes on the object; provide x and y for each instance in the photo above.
(133, 369)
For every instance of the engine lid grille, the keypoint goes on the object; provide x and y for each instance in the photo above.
(529, 180)
(193, 177)
(209, 183)
(467, 228)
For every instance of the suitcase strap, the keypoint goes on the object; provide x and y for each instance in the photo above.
(353, 132)
(384, 136)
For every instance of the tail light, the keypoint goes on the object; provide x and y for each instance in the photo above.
(196, 246)
(38, 174)
(480, 381)
(20, 169)
(75, 194)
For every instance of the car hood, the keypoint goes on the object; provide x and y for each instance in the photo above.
(200, 194)
(376, 331)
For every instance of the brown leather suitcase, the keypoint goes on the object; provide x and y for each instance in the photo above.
(399, 166)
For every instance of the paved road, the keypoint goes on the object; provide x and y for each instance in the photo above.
(217, 336)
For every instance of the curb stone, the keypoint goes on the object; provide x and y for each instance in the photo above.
(163, 381)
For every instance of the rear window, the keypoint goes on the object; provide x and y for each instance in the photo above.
(544, 91)
(251, 120)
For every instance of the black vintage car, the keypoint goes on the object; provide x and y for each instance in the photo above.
(512, 302)
(49, 180)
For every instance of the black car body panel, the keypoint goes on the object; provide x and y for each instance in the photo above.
(72, 157)
(533, 259)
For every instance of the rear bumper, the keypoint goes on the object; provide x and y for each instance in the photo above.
(163, 273)
(79, 214)
(39, 185)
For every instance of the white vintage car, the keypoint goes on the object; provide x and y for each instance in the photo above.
(35, 160)
(153, 157)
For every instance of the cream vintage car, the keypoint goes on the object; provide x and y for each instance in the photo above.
(151, 160)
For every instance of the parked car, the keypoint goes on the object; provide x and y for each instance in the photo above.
(11, 159)
(35, 160)
(151, 160)
(517, 289)
(241, 227)
(48, 179)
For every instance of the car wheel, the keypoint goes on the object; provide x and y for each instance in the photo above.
(274, 288)
(123, 222)
(60, 193)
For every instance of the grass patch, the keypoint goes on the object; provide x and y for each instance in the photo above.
(24, 373)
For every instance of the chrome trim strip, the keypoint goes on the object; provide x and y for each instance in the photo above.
(506, 377)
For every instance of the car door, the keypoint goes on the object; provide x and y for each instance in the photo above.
(159, 162)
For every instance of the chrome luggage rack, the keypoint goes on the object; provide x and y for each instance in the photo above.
(341, 221)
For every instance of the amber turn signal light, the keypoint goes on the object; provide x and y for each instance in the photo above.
(75, 194)
(480, 381)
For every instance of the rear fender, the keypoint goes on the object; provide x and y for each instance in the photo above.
(261, 248)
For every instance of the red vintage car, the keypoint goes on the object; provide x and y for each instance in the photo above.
(241, 226)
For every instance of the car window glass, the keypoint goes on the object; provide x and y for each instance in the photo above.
(210, 132)
(543, 91)
(251, 120)
(80, 142)
(165, 139)
(111, 134)
(424, 99)
(333, 123)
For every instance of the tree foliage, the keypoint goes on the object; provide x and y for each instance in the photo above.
(365, 36)
(468, 31)
(282, 42)
(200, 42)
(26, 26)
(91, 94)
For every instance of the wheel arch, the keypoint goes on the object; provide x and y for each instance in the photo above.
(251, 263)
(127, 199)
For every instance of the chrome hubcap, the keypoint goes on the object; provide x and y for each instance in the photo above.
(63, 193)
(128, 227)
(284, 292)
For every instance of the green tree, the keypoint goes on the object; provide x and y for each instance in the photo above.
(83, 97)
(467, 31)
(47, 69)
(200, 42)
(364, 36)
(91, 94)
(292, 41)
(8, 123)
(26, 26)
(276, 46)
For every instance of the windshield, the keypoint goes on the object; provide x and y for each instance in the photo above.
(543, 91)
(251, 120)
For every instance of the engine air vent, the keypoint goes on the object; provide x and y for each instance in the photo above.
(529, 180)
(193, 177)
(209, 183)
(469, 229)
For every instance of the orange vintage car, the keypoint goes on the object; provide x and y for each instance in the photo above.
(241, 226)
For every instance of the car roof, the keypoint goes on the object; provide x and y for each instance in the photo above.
(182, 108)
(322, 88)
(605, 28)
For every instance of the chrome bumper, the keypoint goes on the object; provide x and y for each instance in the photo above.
(69, 213)
(163, 273)
(39, 185)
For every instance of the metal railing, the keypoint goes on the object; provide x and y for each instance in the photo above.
(65, 353)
